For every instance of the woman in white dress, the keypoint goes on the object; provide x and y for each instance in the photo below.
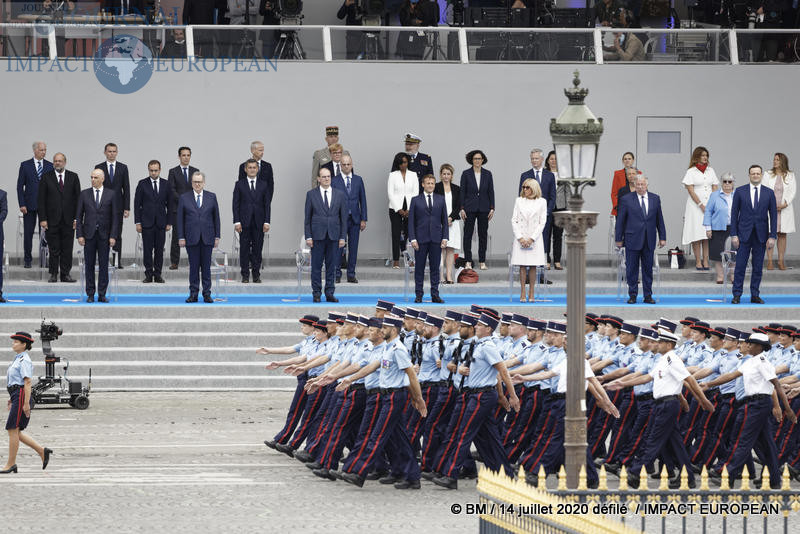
(700, 181)
(527, 222)
(403, 185)
(452, 197)
(781, 180)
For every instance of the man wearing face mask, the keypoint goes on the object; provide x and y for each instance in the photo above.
(626, 46)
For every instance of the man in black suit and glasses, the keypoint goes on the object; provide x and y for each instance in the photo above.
(57, 203)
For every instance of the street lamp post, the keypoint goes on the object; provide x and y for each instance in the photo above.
(576, 136)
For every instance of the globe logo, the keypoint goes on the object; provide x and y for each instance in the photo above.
(123, 64)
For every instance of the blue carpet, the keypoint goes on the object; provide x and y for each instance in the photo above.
(367, 300)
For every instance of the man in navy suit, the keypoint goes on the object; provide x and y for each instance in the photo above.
(639, 218)
(117, 178)
(547, 182)
(180, 181)
(3, 215)
(264, 167)
(754, 227)
(198, 230)
(153, 210)
(325, 229)
(251, 216)
(428, 232)
(353, 187)
(30, 174)
(96, 225)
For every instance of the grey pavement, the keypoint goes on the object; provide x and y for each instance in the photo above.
(195, 462)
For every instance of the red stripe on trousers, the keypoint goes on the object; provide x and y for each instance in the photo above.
(307, 421)
(621, 427)
(413, 435)
(606, 419)
(738, 436)
(294, 416)
(450, 441)
(527, 424)
(638, 439)
(690, 426)
(375, 413)
(325, 453)
(544, 448)
(436, 422)
(380, 434)
(704, 434)
(461, 439)
(725, 422)
(533, 449)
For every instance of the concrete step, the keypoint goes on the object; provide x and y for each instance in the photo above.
(202, 356)
(187, 382)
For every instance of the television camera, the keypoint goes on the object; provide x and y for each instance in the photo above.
(52, 389)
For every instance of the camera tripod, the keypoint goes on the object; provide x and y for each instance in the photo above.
(247, 45)
(289, 46)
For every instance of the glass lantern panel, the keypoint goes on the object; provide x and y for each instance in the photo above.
(585, 166)
(564, 159)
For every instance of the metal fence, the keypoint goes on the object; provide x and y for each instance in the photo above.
(512, 505)
(77, 38)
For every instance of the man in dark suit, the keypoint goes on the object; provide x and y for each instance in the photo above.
(639, 218)
(754, 227)
(116, 178)
(251, 216)
(203, 12)
(325, 229)
(59, 190)
(418, 162)
(96, 227)
(30, 173)
(198, 231)
(153, 211)
(123, 7)
(352, 186)
(428, 232)
(335, 164)
(547, 182)
(3, 215)
(180, 181)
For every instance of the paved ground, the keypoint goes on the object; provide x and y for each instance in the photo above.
(195, 462)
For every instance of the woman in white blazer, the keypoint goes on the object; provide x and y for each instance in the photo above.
(527, 223)
(403, 185)
(781, 180)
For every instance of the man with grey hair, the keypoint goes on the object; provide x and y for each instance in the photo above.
(639, 219)
(198, 231)
(30, 174)
(547, 182)
(264, 168)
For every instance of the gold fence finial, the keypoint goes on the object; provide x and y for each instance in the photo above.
(746, 480)
(562, 479)
(623, 478)
(704, 479)
(765, 482)
(643, 478)
(684, 479)
(664, 478)
(541, 478)
(603, 474)
(786, 479)
(582, 478)
(725, 482)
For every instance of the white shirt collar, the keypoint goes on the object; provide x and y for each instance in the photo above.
(109, 163)
(321, 189)
(36, 161)
(99, 189)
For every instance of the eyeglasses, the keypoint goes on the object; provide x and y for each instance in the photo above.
(526, 187)
(727, 181)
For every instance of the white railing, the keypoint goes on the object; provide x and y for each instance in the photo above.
(462, 45)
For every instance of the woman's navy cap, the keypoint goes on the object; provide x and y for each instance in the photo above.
(22, 336)
(309, 319)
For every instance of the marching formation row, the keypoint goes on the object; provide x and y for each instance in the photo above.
(408, 393)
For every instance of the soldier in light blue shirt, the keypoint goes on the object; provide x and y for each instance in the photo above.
(307, 345)
(396, 375)
(432, 352)
(481, 396)
(20, 403)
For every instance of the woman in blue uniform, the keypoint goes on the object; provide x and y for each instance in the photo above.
(19, 377)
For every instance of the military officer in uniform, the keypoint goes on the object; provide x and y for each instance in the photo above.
(420, 163)
(323, 155)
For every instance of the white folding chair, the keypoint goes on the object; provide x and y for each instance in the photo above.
(138, 268)
(219, 270)
(20, 231)
(113, 278)
(728, 258)
(302, 258)
(539, 286)
(44, 256)
(621, 269)
(409, 268)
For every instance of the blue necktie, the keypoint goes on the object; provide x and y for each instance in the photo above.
(537, 177)
(186, 174)
(755, 197)
(39, 170)
(644, 208)
(198, 201)
(326, 199)
(430, 206)
(348, 185)
(97, 198)
(111, 173)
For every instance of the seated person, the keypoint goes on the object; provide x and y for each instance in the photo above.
(627, 46)
(177, 46)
